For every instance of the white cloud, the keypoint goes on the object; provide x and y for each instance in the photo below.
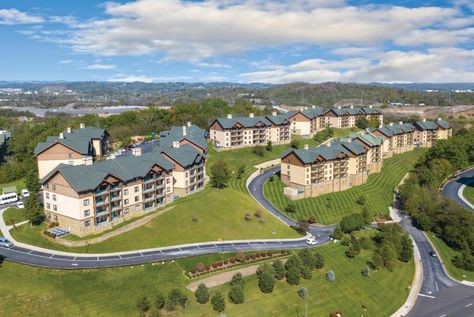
(65, 19)
(213, 65)
(13, 16)
(66, 61)
(131, 78)
(437, 37)
(444, 64)
(100, 67)
(195, 31)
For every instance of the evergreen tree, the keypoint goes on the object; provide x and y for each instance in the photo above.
(318, 261)
(218, 302)
(269, 146)
(159, 301)
(220, 174)
(293, 275)
(237, 280)
(34, 213)
(202, 294)
(306, 273)
(307, 258)
(279, 269)
(32, 182)
(406, 251)
(266, 281)
(236, 294)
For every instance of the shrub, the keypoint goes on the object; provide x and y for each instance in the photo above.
(337, 313)
(269, 146)
(318, 261)
(279, 269)
(218, 302)
(365, 271)
(175, 298)
(293, 275)
(271, 178)
(143, 305)
(240, 171)
(202, 294)
(237, 280)
(330, 276)
(361, 200)
(345, 241)
(200, 267)
(406, 250)
(364, 243)
(247, 217)
(312, 219)
(220, 174)
(194, 219)
(236, 294)
(258, 213)
(159, 301)
(295, 143)
(352, 222)
(291, 208)
(337, 233)
(258, 150)
(307, 258)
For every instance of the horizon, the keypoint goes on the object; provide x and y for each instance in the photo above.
(239, 41)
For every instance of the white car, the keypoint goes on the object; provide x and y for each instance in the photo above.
(20, 205)
(25, 193)
(311, 241)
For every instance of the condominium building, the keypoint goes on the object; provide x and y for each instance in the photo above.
(74, 147)
(427, 132)
(398, 138)
(306, 122)
(231, 133)
(87, 199)
(340, 117)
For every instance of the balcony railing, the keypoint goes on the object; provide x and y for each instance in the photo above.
(115, 198)
(101, 202)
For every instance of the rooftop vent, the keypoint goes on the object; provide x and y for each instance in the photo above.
(424, 119)
(136, 151)
(251, 115)
(313, 107)
(401, 122)
(351, 106)
(229, 116)
(391, 124)
(439, 119)
(370, 106)
(184, 130)
(339, 107)
(274, 113)
(68, 130)
(61, 136)
(176, 144)
(189, 124)
(306, 147)
(82, 125)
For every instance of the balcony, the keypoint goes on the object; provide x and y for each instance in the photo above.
(148, 180)
(116, 207)
(148, 189)
(148, 198)
(114, 188)
(101, 202)
(115, 197)
(100, 213)
(101, 191)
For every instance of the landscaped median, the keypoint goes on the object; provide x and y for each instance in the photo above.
(115, 291)
(377, 193)
(468, 192)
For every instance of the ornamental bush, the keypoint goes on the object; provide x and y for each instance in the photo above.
(218, 302)
(202, 294)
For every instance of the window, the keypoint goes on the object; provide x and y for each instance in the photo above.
(54, 197)
(168, 180)
(137, 208)
(53, 187)
(125, 211)
(55, 208)
(47, 195)
(56, 218)
(125, 191)
(87, 213)
(48, 206)
(187, 174)
(137, 189)
(86, 202)
(87, 223)
(168, 189)
(69, 155)
(125, 202)
(137, 198)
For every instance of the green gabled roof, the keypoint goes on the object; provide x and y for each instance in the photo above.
(353, 147)
(185, 155)
(277, 120)
(369, 110)
(78, 140)
(309, 156)
(385, 131)
(309, 113)
(370, 139)
(88, 177)
(346, 111)
(193, 133)
(244, 121)
(426, 125)
(443, 124)
(400, 128)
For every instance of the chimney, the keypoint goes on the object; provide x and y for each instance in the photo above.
(176, 144)
(380, 125)
(189, 124)
(439, 119)
(82, 125)
(61, 136)
(370, 106)
(137, 151)
(367, 130)
(68, 130)
(306, 147)
(184, 130)
(424, 119)
(339, 107)
(391, 124)
(400, 122)
(229, 116)
(351, 106)
(251, 115)
(313, 107)
(274, 113)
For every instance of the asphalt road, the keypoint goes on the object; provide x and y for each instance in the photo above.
(451, 188)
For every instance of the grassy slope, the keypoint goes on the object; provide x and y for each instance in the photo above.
(15, 214)
(330, 208)
(468, 193)
(219, 213)
(447, 254)
(114, 292)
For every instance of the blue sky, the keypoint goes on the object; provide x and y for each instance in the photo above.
(238, 40)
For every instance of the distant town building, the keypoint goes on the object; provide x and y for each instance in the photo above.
(4, 137)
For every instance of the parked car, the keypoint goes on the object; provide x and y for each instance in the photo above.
(5, 243)
(25, 193)
(311, 241)
(433, 254)
(20, 205)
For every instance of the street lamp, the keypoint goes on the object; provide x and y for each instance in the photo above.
(303, 293)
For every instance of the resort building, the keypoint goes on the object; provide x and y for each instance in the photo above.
(399, 138)
(427, 132)
(73, 147)
(232, 133)
(306, 122)
(347, 117)
(87, 199)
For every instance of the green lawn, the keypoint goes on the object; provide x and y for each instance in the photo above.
(468, 192)
(14, 214)
(330, 208)
(219, 214)
(114, 292)
(447, 254)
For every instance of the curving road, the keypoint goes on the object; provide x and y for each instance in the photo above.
(452, 189)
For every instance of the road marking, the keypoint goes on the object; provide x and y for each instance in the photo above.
(140, 253)
(30, 251)
(436, 284)
(468, 305)
(443, 315)
(75, 264)
(119, 256)
(51, 256)
(429, 296)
